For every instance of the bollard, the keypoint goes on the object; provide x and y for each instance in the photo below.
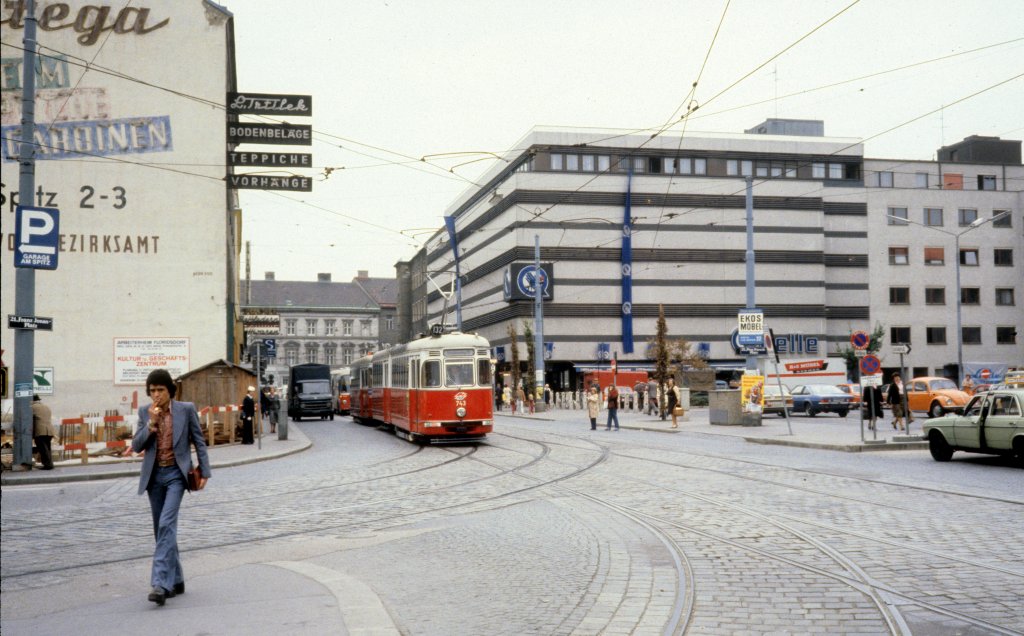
(282, 430)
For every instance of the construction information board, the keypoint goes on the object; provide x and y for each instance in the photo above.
(134, 358)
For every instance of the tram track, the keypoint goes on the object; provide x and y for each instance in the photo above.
(880, 482)
(144, 536)
(886, 598)
(268, 491)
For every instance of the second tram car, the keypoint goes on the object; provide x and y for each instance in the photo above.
(433, 389)
(339, 388)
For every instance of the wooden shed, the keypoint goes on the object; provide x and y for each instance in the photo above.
(218, 383)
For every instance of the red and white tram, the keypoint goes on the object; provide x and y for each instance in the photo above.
(433, 389)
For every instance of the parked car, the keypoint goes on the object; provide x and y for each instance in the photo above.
(721, 385)
(821, 398)
(936, 396)
(992, 423)
(853, 390)
(774, 399)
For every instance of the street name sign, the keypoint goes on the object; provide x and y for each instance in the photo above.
(29, 322)
(36, 237)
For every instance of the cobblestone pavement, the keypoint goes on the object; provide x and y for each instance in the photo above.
(548, 532)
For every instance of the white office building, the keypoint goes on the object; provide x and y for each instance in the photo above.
(828, 262)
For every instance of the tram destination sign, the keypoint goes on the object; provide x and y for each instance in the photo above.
(278, 134)
(269, 104)
(240, 159)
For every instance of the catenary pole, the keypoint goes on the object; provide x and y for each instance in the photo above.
(25, 277)
(751, 360)
(538, 320)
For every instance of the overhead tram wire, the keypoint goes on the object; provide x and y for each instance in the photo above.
(856, 79)
(879, 134)
(720, 93)
(689, 111)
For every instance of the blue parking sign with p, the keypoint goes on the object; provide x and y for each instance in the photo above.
(36, 237)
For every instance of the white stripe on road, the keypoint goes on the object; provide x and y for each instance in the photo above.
(361, 609)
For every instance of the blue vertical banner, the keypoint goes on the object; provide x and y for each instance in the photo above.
(627, 271)
(449, 223)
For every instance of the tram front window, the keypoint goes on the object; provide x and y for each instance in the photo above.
(432, 373)
(458, 373)
(484, 368)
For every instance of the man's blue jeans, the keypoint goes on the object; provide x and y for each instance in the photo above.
(165, 492)
(613, 414)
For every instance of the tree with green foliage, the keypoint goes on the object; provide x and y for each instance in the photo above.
(514, 345)
(661, 357)
(531, 359)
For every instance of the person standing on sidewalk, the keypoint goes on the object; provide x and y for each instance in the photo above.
(652, 396)
(871, 398)
(613, 408)
(248, 413)
(166, 431)
(42, 432)
(895, 399)
(672, 395)
(520, 400)
(593, 406)
(275, 409)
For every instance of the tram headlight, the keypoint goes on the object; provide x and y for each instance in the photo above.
(460, 412)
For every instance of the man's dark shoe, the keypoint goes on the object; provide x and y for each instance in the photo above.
(179, 588)
(158, 595)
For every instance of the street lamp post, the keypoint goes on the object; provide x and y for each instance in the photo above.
(956, 242)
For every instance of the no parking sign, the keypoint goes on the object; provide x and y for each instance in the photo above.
(870, 365)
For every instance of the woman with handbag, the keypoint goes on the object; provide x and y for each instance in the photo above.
(674, 400)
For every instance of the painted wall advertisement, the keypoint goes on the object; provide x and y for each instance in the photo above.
(134, 358)
(107, 132)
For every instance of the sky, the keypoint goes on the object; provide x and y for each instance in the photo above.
(411, 97)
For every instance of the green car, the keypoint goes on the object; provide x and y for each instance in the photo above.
(992, 422)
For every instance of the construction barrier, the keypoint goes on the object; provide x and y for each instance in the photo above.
(102, 434)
